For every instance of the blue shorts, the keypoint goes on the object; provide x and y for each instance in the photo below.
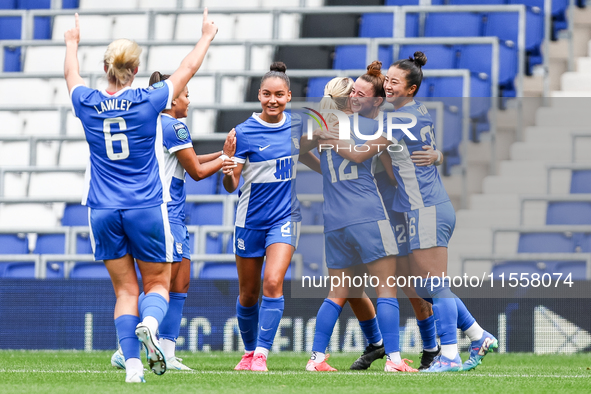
(400, 226)
(431, 226)
(254, 243)
(144, 233)
(359, 244)
(182, 248)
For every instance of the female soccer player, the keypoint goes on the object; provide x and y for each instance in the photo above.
(179, 158)
(357, 231)
(268, 217)
(125, 186)
(431, 217)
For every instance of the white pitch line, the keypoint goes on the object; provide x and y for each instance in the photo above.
(454, 375)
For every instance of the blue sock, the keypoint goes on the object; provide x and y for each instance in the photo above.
(445, 313)
(427, 329)
(389, 323)
(269, 318)
(154, 305)
(171, 325)
(248, 320)
(465, 318)
(125, 325)
(326, 318)
(139, 303)
(371, 330)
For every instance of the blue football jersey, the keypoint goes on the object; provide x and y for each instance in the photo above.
(350, 193)
(176, 137)
(418, 187)
(269, 152)
(124, 135)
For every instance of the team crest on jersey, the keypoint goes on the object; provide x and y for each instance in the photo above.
(181, 131)
(296, 143)
(179, 248)
(157, 85)
(240, 244)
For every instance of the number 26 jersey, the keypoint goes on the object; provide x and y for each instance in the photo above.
(124, 134)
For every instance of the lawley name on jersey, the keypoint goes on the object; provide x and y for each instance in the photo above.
(114, 105)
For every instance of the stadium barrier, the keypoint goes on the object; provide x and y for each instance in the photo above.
(79, 315)
(573, 228)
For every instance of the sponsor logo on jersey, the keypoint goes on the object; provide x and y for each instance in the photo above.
(240, 244)
(157, 85)
(283, 168)
(181, 131)
(179, 248)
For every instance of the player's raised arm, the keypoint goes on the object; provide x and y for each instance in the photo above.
(71, 66)
(194, 59)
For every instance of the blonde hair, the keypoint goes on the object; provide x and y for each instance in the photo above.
(336, 96)
(121, 58)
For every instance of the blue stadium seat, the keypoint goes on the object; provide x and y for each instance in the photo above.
(568, 213)
(75, 215)
(438, 56)
(476, 2)
(89, 271)
(83, 244)
(586, 244)
(516, 267)
(382, 25)
(577, 270)
(545, 243)
(559, 7)
(50, 244)
(478, 59)
(311, 213)
(14, 244)
(68, 4)
(454, 24)
(316, 86)
(505, 26)
(402, 2)
(349, 57)
(7, 4)
(580, 181)
(42, 24)
(219, 271)
(10, 29)
(27, 270)
(208, 185)
(204, 213)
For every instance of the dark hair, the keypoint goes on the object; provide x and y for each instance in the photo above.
(277, 71)
(375, 77)
(157, 77)
(413, 68)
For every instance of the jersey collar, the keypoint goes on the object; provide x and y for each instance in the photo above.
(104, 91)
(274, 125)
(410, 103)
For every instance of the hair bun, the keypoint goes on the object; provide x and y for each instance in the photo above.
(375, 68)
(278, 66)
(420, 59)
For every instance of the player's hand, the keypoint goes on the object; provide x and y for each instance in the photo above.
(230, 143)
(209, 28)
(228, 166)
(425, 158)
(331, 133)
(73, 35)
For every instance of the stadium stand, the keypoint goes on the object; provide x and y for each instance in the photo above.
(43, 66)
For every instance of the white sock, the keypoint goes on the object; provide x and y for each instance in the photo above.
(152, 323)
(431, 350)
(394, 357)
(133, 365)
(261, 350)
(475, 332)
(249, 352)
(168, 347)
(378, 343)
(318, 357)
(449, 351)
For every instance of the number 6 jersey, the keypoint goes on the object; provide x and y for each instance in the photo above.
(124, 134)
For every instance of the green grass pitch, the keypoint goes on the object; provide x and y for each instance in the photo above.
(79, 372)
